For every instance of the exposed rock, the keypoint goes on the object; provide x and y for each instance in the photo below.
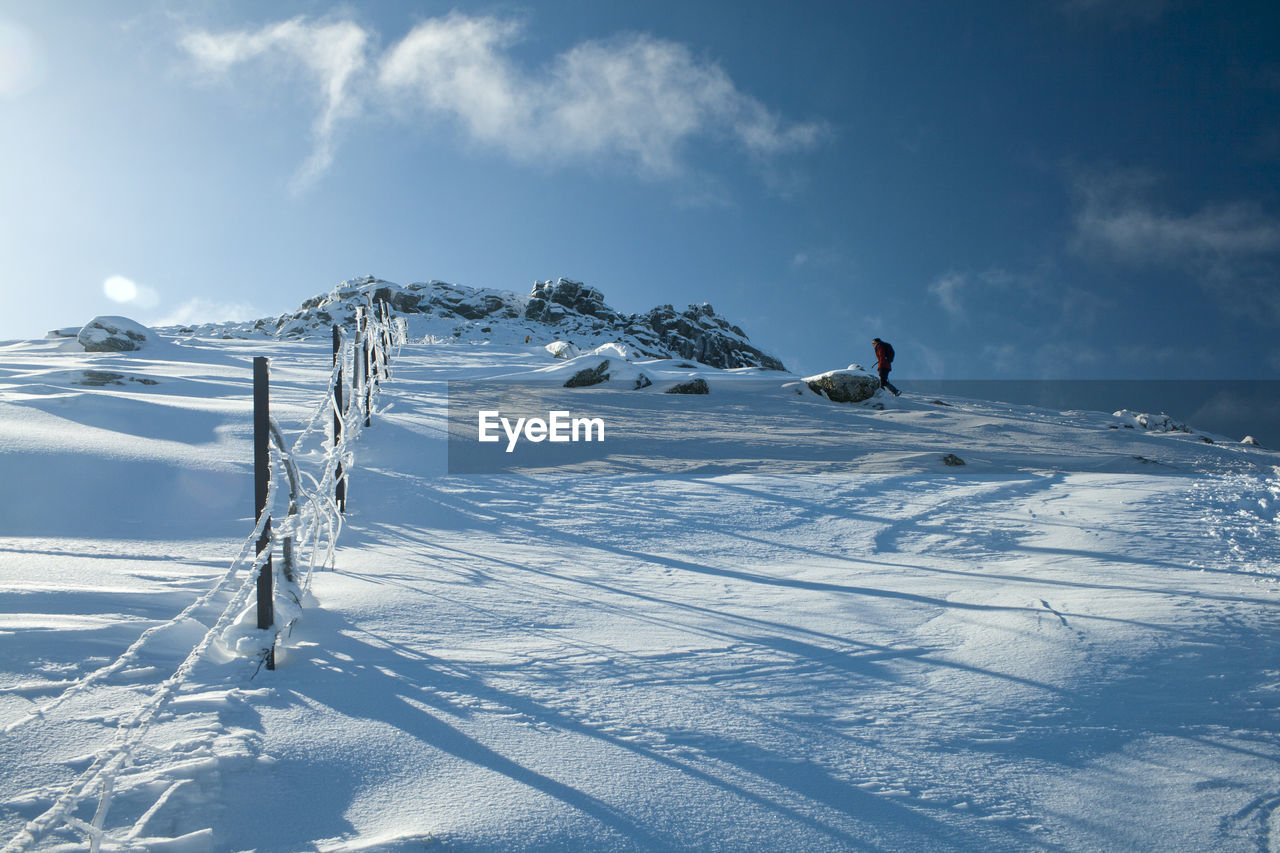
(702, 335)
(643, 381)
(952, 460)
(844, 386)
(693, 386)
(102, 378)
(590, 376)
(113, 334)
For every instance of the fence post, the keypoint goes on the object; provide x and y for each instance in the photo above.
(357, 362)
(386, 338)
(340, 482)
(369, 378)
(261, 479)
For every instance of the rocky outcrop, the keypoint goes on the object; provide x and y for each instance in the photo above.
(699, 333)
(571, 310)
(113, 334)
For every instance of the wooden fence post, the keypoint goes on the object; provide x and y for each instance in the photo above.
(340, 482)
(261, 480)
(385, 313)
(370, 377)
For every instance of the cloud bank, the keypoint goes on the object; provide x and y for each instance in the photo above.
(634, 99)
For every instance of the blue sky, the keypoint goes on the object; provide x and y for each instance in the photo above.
(1062, 188)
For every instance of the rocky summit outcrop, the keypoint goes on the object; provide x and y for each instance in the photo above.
(564, 309)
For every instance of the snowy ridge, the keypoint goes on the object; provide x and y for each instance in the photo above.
(561, 310)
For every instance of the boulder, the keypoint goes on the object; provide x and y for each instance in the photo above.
(114, 334)
(844, 386)
(693, 386)
(590, 376)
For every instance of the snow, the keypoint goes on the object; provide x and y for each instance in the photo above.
(755, 619)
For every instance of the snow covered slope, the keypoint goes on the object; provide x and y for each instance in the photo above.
(765, 622)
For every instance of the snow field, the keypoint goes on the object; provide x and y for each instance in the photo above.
(812, 636)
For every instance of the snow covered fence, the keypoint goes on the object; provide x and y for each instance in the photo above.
(307, 535)
(313, 518)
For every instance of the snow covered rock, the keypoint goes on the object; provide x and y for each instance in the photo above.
(562, 349)
(844, 386)
(114, 334)
(1154, 423)
(1250, 440)
(613, 350)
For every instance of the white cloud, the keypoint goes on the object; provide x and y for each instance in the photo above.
(1013, 299)
(1114, 218)
(332, 53)
(637, 98)
(640, 98)
(456, 65)
(830, 257)
(948, 290)
(1232, 250)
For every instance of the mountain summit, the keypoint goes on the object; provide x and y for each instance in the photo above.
(553, 310)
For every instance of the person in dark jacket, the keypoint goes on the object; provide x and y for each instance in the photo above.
(884, 363)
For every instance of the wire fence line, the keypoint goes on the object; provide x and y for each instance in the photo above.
(307, 538)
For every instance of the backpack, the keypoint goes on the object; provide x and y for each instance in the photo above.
(888, 351)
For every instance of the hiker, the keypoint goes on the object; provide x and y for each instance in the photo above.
(884, 363)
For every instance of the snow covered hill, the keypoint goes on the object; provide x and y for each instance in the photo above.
(757, 620)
